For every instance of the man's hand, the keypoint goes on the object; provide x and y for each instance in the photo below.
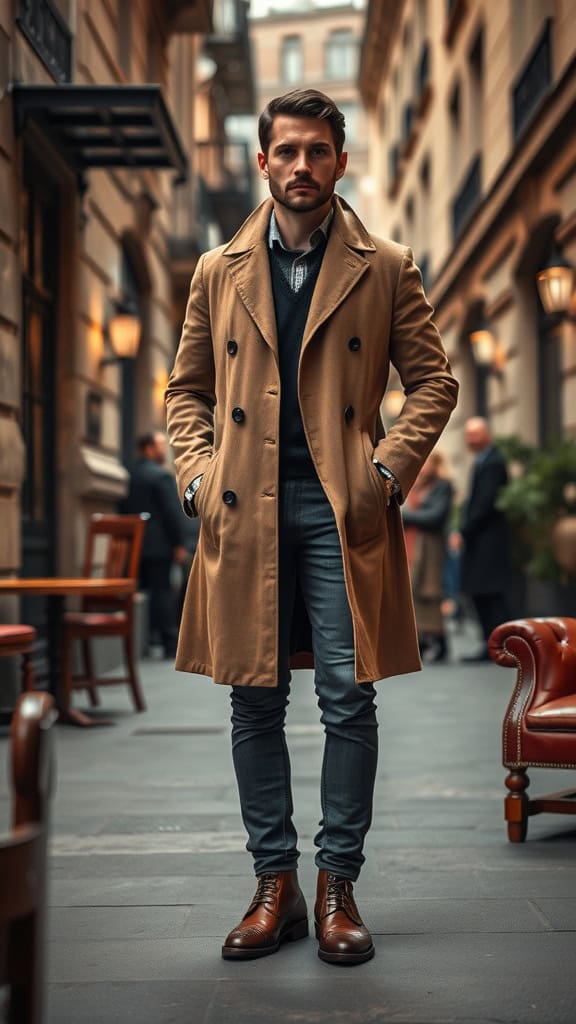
(180, 555)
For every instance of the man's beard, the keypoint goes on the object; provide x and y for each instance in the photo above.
(302, 204)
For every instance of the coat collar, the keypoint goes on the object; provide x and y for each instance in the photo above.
(343, 265)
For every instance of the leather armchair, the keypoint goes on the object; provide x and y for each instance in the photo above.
(540, 723)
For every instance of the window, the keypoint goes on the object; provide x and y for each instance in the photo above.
(455, 130)
(292, 62)
(341, 55)
(475, 62)
(350, 111)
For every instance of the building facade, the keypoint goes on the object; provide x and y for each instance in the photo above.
(471, 107)
(105, 204)
(308, 45)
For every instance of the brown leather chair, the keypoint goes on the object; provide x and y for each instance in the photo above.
(23, 856)
(540, 723)
(14, 640)
(121, 536)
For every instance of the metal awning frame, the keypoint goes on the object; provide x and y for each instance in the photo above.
(104, 125)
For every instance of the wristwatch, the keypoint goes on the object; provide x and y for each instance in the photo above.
(389, 476)
(189, 505)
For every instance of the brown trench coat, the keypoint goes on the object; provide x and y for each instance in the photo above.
(368, 289)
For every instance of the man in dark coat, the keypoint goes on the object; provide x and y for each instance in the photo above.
(485, 555)
(153, 490)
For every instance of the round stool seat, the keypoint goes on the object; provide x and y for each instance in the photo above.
(11, 635)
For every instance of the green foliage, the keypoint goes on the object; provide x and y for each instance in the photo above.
(533, 501)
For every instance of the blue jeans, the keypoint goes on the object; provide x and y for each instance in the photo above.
(310, 554)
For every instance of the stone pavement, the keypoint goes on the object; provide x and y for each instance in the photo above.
(149, 870)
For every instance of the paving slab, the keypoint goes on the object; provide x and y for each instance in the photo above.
(148, 868)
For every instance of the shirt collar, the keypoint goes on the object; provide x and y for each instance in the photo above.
(316, 237)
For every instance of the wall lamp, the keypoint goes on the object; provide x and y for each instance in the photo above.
(555, 282)
(124, 330)
(487, 350)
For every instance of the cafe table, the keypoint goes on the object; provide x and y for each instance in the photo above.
(57, 589)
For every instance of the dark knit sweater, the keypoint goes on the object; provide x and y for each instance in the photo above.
(291, 314)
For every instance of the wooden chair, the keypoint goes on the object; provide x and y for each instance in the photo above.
(23, 857)
(540, 723)
(122, 537)
(15, 640)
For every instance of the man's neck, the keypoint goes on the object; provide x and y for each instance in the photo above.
(296, 228)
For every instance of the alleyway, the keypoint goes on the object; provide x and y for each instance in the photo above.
(149, 870)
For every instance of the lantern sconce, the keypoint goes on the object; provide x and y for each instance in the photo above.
(488, 351)
(556, 282)
(123, 331)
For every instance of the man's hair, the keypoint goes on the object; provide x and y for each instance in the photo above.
(302, 103)
(144, 441)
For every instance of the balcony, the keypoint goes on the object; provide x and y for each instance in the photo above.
(224, 168)
(187, 16)
(468, 197)
(533, 83)
(49, 35)
(229, 47)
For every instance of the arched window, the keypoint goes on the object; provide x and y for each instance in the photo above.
(341, 54)
(292, 60)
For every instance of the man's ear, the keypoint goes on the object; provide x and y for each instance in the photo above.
(263, 166)
(341, 167)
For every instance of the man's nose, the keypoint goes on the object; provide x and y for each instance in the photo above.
(302, 163)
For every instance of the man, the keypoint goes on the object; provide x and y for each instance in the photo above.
(273, 412)
(485, 556)
(153, 490)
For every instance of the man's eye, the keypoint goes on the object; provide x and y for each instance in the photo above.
(319, 151)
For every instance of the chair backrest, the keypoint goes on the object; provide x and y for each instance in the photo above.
(123, 536)
(23, 856)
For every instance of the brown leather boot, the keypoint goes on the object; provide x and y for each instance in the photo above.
(277, 914)
(343, 937)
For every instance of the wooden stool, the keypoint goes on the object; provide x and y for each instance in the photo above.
(19, 640)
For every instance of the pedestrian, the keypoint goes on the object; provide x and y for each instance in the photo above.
(153, 490)
(485, 564)
(426, 515)
(273, 414)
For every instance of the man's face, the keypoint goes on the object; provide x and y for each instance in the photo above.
(476, 438)
(159, 455)
(301, 165)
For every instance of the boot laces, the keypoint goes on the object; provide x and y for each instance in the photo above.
(267, 889)
(337, 894)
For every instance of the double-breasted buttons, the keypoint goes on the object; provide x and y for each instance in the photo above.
(349, 413)
(229, 497)
(354, 344)
(238, 415)
(231, 347)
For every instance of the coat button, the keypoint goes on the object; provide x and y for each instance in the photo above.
(349, 413)
(354, 344)
(229, 498)
(238, 415)
(231, 347)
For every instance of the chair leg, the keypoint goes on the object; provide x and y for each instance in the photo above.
(27, 673)
(89, 672)
(516, 805)
(137, 695)
(67, 681)
(26, 996)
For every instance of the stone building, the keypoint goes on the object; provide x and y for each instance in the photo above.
(313, 45)
(110, 187)
(471, 107)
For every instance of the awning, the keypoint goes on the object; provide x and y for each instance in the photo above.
(104, 125)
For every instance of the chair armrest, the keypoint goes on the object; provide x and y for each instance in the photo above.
(22, 870)
(543, 651)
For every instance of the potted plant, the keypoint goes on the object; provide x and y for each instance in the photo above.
(539, 502)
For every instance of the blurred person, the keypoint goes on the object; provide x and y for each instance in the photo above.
(153, 490)
(279, 448)
(426, 515)
(485, 562)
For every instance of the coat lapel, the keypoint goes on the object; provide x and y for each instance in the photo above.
(343, 265)
(249, 268)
